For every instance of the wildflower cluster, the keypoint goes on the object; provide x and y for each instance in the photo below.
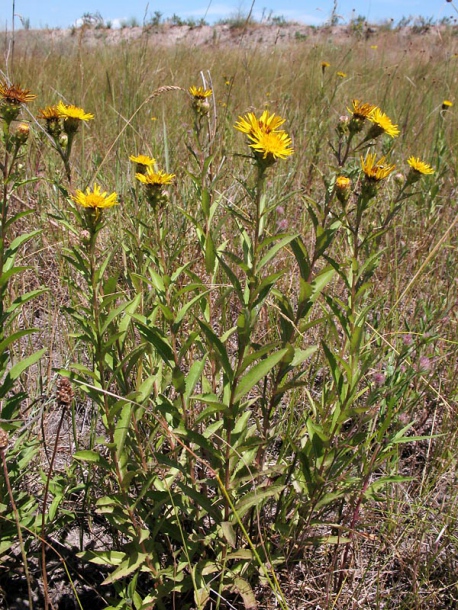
(62, 123)
(374, 170)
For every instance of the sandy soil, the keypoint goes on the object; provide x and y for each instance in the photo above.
(218, 35)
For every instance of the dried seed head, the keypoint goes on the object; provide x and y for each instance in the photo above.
(64, 392)
(3, 439)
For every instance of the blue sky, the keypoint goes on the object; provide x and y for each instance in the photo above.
(62, 13)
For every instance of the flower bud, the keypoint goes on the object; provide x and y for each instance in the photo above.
(343, 189)
(22, 134)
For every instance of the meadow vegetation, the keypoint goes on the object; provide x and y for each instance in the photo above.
(228, 344)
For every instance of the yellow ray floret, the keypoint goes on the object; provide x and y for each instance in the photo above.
(267, 122)
(419, 166)
(361, 110)
(95, 199)
(73, 112)
(142, 160)
(383, 122)
(152, 178)
(200, 92)
(273, 144)
(376, 170)
(50, 113)
(13, 94)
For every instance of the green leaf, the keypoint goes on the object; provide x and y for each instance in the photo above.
(256, 497)
(180, 315)
(154, 336)
(273, 251)
(15, 336)
(122, 427)
(92, 457)
(193, 376)
(133, 562)
(227, 529)
(103, 558)
(18, 369)
(243, 588)
(6, 275)
(255, 374)
(300, 252)
(216, 343)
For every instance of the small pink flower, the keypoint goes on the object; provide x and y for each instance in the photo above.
(425, 363)
(282, 224)
(379, 378)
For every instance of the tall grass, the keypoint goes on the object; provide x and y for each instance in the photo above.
(261, 403)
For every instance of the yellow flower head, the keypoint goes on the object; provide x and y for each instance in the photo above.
(341, 74)
(73, 112)
(155, 179)
(324, 65)
(142, 160)
(375, 170)
(419, 166)
(266, 123)
(52, 117)
(342, 183)
(14, 95)
(381, 124)
(271, 145)
(72, 116)
(11, 99)
(154, 183)
(446, 104)
(361, 110)
(374, 46)
(343, 189)
(50, 113)
(95, 199)
(22, 133)
(200, 92)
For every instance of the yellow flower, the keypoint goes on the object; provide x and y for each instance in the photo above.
(374, 46)
(271, 145)
(446, 104)
(142, 160)
(343, 189)
(52, 117)
(152, 178)
(419, 166)
(342, 183)
(200, 92)
(154, 183)
(324, 65)
(381, 124)
(249, 124)
(50, 113)
(341, 74)
(361, 110)
(73, 112)
(95, 199)
(375, 170)
(22, 133)
(13, 94)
